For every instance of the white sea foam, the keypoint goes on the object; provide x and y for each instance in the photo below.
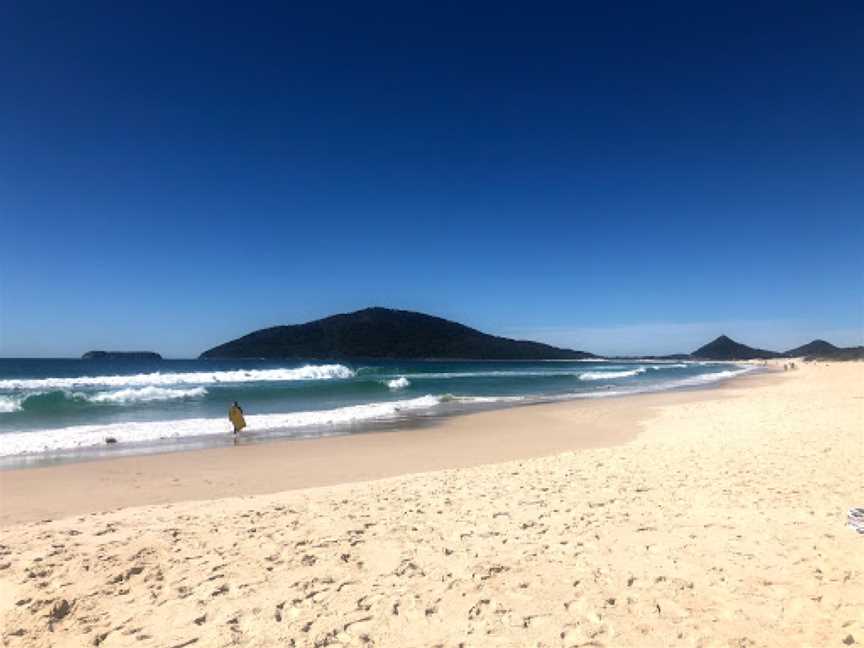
(599, 394)
(445, 375)
(476, 400)
(398, 383)
(16, 403)
(292, 424)
(706, 378)
(83, 436)
(608, 371)
(691, 381)
(308, 372)
(9, 404)
(606, 375)
(143, 394)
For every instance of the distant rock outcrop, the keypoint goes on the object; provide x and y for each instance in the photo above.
(121, 355)
(724, 348)
(385, 333)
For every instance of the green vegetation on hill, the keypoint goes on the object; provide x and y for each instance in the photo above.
(384, 333)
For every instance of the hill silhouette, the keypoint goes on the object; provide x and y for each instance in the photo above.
(725, 348)
(838, 354)
(814, 348)
(385, 333)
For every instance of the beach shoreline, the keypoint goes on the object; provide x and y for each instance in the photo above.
(56, 411)
(399, 423)
(698, 518)
(280, 464)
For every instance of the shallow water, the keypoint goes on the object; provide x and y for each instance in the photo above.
(51, 407)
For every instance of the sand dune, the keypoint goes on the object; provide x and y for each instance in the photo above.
(720, 524)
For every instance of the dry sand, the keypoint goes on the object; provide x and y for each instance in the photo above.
(720, 524)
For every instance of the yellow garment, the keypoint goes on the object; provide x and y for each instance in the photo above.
(235, 415)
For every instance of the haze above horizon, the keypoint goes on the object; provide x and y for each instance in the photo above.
(620, 180)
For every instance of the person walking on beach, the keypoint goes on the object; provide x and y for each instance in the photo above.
(235, 415)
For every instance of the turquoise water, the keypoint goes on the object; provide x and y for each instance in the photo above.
(51, 408)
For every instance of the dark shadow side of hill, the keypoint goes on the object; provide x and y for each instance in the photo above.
(386, 334)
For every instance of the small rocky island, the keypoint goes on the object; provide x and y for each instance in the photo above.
(121, 355)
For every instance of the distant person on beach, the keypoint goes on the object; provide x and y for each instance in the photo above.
(235, 415)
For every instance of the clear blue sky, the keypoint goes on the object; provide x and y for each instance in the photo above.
(617, 178)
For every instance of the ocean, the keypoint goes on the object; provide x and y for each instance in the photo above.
(60, 409)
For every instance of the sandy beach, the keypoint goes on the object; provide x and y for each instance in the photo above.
(711, 517)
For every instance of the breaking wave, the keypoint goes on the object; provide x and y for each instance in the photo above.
(716, 376)
(59, 399)
(605, 375)
(308, 372)
(398, 383)
(145, 394)
(9, 404)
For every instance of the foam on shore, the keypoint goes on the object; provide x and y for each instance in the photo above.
(83, 436)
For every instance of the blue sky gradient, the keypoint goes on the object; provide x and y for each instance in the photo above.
(619, 179)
